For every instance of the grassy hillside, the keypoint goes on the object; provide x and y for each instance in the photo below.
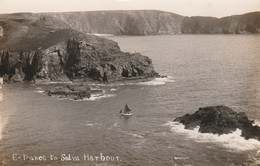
(139, 22)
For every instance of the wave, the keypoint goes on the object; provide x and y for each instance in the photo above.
(101, 34)
(136, 135)
(89, 124)
(155, 81)
(233, 141)
(158, 81)
(96, 97)
(141, 136)
(256, 123)
(60, 82)
(40, 91)
(180, 158)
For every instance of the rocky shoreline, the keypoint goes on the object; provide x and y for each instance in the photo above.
(220, 120)
(82, 58)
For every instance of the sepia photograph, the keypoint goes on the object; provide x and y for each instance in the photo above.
(129, 83)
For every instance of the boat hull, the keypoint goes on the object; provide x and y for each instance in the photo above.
(127, 114)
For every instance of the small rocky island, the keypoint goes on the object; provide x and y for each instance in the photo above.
(220, 120)
(76, 92)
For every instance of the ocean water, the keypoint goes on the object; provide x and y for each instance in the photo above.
(202, 70)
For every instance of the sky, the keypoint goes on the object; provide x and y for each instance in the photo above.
(215, 8)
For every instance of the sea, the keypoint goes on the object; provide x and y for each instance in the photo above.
(200, 70)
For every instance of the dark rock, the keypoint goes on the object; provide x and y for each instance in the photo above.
(6, 78)
(84, 57)
(76, 91)
(220, 120)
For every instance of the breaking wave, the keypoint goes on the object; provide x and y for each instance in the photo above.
(232, 141)
(96, 97)
(158, 81)
(40, 91)
(155, 81)
(101, 34)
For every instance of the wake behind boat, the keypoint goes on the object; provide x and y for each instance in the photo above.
(126, 111)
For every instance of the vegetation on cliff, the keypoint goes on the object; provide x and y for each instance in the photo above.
(33, 49)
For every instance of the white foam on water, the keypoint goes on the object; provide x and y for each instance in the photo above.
(97, 84)
(89, 124)
(233, 141)
(113, 89)
(155, 81)
(102, 34)
(136, 135)
(180, 158)
(96, 97)
(92, 88)
(158, 81)
(256, 123)
(60, 82)
(115, 124)
(40, 91)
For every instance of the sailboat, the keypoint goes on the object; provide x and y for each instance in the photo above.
(126, 111)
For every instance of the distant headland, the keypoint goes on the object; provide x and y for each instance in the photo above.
(142, 22)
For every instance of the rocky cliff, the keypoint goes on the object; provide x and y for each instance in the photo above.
(33, 49)
(239, 24)
(142, 22)
(138, 22)
(153, 22)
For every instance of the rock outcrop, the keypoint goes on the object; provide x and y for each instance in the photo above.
(220, 120)
(75, 92)
(41, 54)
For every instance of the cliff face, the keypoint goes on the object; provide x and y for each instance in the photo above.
(83, 57)
(247, 23)
(34, 50)
(143, 22)
(152, 22)
(138, 22)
